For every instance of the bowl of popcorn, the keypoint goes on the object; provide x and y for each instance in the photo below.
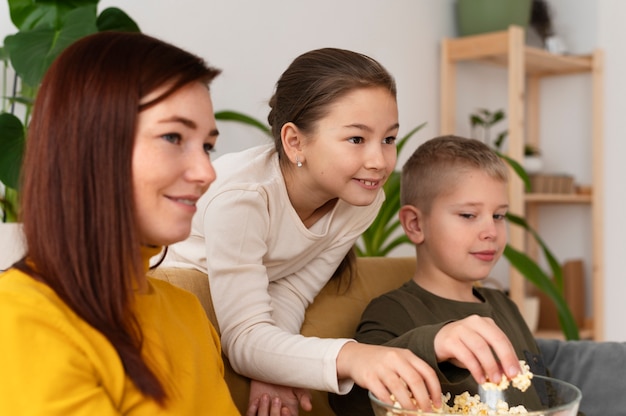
(526, 394)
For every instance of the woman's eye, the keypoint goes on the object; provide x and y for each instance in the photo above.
(356, 140)
(172, 138)
(389, 140)
(208, 148)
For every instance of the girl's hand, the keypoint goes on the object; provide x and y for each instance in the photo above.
(274, 400)
(391, 374)
(479, 345)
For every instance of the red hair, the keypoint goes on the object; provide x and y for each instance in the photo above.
(77, 195)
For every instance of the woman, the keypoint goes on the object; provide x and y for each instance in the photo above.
(286, 215)
(116, 159)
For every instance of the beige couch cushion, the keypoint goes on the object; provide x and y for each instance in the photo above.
(334, 313)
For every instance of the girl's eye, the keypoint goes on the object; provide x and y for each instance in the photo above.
(208, 148)
(389, 140)
(173, 138)
(356, 140)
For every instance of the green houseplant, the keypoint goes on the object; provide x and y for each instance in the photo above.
(482, 16)
(44, 29)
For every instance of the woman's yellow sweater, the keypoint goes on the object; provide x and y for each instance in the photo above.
(53, 363)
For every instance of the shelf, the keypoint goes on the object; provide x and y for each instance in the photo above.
(558, 198)
(525, 67)
(494, 48)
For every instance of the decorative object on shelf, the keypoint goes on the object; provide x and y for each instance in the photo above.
(552, 184)
(541, 24)
(533, 163)
(44, 30)
(482, 16)
(481, 122)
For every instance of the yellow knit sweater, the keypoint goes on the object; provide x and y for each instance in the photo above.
(53, 363)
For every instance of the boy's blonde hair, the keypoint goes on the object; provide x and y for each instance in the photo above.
(436, 165)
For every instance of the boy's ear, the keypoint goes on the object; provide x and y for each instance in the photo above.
(411, 219)
(292, 142)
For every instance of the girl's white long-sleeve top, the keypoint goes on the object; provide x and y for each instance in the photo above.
(265, 267)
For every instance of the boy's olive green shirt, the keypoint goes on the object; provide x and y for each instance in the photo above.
(410, 317)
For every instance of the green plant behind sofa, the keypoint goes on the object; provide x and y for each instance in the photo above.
(44, 29)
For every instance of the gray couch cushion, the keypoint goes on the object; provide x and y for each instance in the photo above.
(598, 369)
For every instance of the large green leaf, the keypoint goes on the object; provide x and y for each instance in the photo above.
(230, 115)
(33, 51)
(11, 149)
(555, 266)
(533, 273)
(9, 204)
(31, 14)
(113, 18)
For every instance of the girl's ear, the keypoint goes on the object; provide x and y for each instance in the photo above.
(291, 138)
(411, 219)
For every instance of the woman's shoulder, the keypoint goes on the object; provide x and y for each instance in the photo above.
(18, 289)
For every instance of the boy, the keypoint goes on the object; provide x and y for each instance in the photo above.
(454, 202)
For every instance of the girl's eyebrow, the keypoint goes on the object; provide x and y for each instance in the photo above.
(394, 126)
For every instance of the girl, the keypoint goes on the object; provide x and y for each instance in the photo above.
(286, 215)
(116, 159)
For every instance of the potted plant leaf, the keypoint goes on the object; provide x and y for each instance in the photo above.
(482, 16)
(44, 29)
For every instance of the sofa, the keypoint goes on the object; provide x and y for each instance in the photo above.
(597, 368)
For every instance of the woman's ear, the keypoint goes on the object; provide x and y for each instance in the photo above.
(411, 219)
(291, 138)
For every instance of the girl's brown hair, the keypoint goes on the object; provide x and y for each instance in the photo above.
(314, 81)
(77, 200)
(310, 85)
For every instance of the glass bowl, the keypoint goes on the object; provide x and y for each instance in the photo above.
(546, 397)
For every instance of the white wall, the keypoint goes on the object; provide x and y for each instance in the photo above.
(253, 42)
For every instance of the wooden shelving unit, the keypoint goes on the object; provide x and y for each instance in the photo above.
(526, 67)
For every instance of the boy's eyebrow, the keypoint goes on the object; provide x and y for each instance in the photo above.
(464, 204)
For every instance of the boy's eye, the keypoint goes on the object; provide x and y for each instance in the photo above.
(499, 217)
(468, 216)
(389, 140)
(172, 137)
(356, 140)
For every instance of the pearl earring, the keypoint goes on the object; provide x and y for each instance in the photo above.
(298, 163)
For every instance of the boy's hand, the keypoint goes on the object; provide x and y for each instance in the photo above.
(479, 345)
(274, 400)
(391, 374)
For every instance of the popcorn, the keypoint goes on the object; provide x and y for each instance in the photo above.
(521, 381)
(466, 404)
